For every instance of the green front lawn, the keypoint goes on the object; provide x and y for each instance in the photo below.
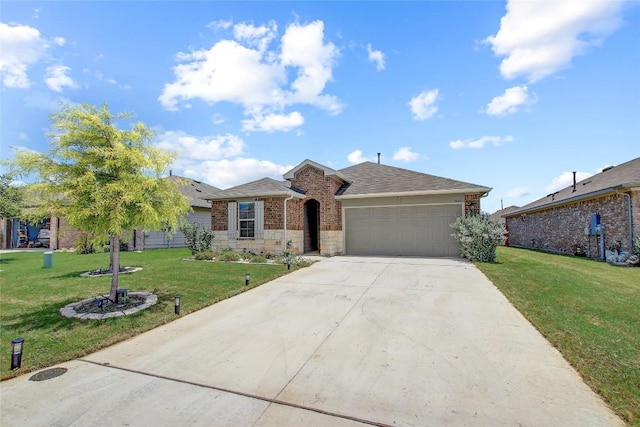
(587, 309)
(30, 297)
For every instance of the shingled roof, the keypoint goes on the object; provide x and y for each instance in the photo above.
(626, 175)
(264, 187)
(197, 192)
(369, 179)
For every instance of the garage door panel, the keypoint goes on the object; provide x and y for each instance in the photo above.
(401, 231)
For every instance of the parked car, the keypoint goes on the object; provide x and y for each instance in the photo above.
(44, 237)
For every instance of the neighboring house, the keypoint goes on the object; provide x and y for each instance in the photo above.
(366, 209)
(20, 234)
(196, 192)
(498, 216)
(587, 217)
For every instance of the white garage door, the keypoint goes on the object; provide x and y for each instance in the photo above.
(421, 230)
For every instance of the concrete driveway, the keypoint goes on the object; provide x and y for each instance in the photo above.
(347, 341)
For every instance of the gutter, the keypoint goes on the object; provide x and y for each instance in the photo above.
(285, 222)
(629, 219)
(484, 190)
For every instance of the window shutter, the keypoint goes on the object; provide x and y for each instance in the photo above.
(259, 219)
(232, 213)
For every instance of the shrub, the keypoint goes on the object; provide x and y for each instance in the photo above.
(228, 256)
(294, 260)
(258, 259)
(478, 237)
(197, 237)
(204, 256)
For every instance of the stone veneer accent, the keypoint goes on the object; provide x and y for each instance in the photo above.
(273, 242)
(561, 228)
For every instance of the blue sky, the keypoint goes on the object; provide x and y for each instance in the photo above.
(511, 95)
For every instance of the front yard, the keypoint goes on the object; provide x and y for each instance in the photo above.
(587, 309)
(30, 297)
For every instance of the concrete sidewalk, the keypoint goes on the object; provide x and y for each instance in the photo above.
(347, 341)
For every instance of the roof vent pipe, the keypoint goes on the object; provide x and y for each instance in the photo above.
(574, 181)
(378, 158)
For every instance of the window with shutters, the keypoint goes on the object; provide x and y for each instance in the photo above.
(247, 220)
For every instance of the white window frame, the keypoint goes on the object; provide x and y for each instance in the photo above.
(250, 232)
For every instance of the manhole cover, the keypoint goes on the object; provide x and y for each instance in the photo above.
(47, 374)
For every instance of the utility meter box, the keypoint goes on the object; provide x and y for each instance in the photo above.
(595, 222)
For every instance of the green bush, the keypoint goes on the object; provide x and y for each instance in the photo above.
(478, 237)
(258, 259)
(197, 237)
(228, 256)
(204, 256)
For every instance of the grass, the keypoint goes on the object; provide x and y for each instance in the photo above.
(589, 310)
(30, 297)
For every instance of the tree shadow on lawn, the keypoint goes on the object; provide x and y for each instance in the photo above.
(43, 317)
(4, 260)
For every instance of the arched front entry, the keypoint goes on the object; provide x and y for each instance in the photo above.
(311, 226)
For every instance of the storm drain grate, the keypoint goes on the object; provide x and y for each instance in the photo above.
(47, 374)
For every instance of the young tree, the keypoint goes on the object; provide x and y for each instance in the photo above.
(103, 180)
(10, 198)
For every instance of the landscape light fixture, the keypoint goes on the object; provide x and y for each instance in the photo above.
(247, 278)
(176, 307)
(16, 353)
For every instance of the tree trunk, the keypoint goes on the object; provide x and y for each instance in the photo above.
(115, 268)
(110, 253)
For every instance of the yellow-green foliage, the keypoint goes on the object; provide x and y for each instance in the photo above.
(100, 178)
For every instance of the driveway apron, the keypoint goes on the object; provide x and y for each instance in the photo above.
(347, 341)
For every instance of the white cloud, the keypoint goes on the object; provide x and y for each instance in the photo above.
(244, 71)
(220, 24)
(192, 148)
(259, 37)
(423, 106)
(356, 157)
(56, 78)
(509, 103)
(564, 180)
(60, 41)
(480, 142)
(405, 154)
(518, 192)
(376, 56)
(273, 122)
(231, 172)
(539, 38)
(303, 47)
(22, 46)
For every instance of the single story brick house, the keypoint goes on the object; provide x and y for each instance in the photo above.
(366, 209)
(589, 216)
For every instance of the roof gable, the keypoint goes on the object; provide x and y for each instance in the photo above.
(327, 171)
(376, 179)
(260, 188)
(622, 176)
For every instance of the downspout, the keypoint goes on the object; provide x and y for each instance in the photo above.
(629, 223)
(284, 245)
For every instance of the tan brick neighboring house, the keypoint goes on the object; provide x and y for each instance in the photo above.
(366, 209)
(562, 222)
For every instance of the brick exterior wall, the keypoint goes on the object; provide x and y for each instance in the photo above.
(322, 189)
(317, 187)
(471, 204)
(561, 228)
